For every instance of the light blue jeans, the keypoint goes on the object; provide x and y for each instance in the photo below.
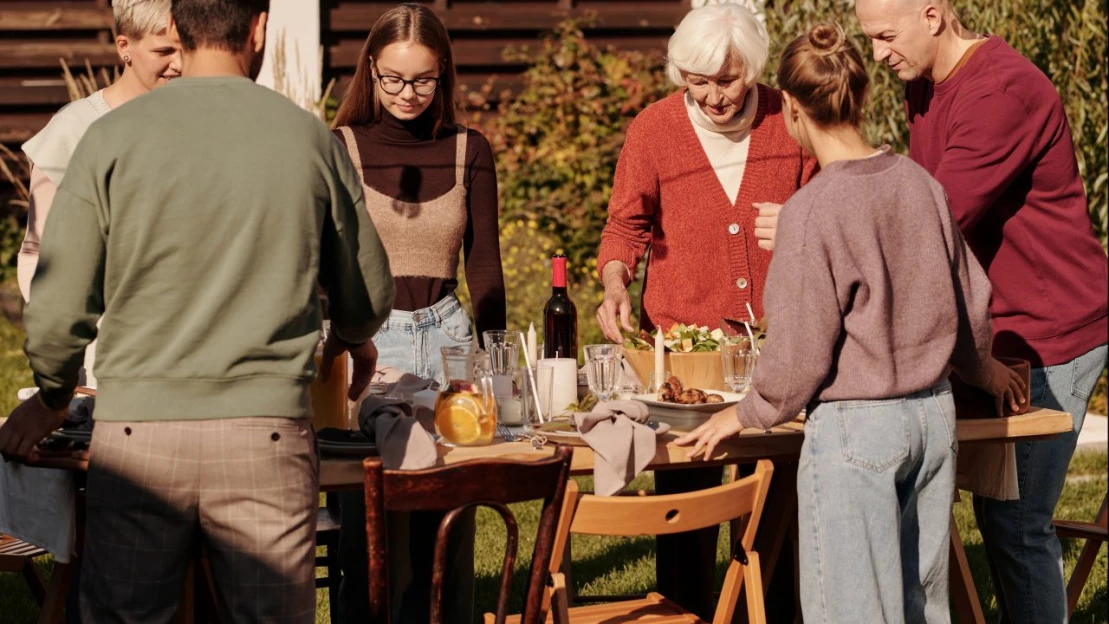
(1026, 559)
(875, 485)
(411, 341)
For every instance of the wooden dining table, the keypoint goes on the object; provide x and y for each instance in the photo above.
(780, 444)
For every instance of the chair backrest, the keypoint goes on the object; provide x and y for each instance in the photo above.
(673, 513)
(456, 489)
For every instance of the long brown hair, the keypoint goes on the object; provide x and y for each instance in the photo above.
(402, 23)
(825, 73)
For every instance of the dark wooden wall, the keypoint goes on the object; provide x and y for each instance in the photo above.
(34, 35)
(481, 30)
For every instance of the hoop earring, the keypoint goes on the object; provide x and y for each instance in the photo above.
(126, 59)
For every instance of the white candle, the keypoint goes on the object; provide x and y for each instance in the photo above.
(660, 361)
(533, 346)
(564, 383)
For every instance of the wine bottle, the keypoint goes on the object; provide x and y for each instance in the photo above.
(560, 316)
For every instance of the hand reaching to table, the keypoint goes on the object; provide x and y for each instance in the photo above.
(30, 422)
(364, 357)
(1006, 386)
(616, 305)
(705, 438)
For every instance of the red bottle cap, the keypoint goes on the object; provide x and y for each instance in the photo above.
(558, 271)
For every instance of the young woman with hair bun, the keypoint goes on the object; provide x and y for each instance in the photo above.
(874, 297)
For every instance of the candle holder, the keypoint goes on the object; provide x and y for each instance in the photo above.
(654, 386)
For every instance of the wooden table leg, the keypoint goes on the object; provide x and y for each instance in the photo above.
(61, 579)
(964, 596)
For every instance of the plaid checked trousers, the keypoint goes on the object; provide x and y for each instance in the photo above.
(248, 487)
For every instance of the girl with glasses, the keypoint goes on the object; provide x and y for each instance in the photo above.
(431, 190)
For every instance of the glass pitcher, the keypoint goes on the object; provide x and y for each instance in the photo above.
(466, 410)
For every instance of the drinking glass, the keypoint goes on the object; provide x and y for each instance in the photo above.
(535, 396)
(602, 369)
(739, 362)
(503, 347)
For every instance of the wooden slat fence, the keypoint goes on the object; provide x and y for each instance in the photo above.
(34, 35)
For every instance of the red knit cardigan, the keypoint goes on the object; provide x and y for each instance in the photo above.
(666, 197)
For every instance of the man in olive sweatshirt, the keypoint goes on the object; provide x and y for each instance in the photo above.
(198, 221)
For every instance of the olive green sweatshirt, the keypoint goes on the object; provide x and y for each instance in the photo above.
(198, 220)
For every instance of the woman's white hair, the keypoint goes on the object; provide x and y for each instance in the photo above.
(138, 18)
(707, 37)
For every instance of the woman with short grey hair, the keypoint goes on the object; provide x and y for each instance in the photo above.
(151, 56)
(699, 182)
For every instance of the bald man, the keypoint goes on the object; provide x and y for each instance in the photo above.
(989, 125)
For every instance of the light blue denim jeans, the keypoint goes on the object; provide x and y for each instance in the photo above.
(1026, 559)
(411, 341)
(875, 485)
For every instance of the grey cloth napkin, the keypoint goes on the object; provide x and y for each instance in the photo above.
(622, 443)
(402, 441)
(407, 385)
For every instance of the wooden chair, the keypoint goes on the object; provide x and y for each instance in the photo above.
(661, 515)
(16, 556)
(1095, 535)
(327, 536)
(456, 489)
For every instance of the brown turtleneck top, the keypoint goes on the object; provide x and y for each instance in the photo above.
(407, 161)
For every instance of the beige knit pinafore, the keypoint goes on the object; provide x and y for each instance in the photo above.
(421, 239)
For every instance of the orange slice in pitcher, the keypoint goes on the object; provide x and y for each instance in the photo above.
(459, 420)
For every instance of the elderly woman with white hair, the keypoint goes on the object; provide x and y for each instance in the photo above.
(151, 55)
(696, 170)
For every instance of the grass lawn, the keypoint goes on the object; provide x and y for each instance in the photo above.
(619, 566)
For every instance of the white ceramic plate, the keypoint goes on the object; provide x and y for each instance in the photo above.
(574, 438)
(730, 398)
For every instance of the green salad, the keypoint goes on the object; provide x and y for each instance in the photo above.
(681, 338)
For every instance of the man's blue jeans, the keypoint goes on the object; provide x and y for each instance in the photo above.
(1025, 556)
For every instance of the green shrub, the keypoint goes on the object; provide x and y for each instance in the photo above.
(556, 145)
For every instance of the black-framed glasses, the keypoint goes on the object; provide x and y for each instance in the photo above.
(394, 85)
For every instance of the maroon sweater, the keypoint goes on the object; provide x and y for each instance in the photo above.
(996, 137)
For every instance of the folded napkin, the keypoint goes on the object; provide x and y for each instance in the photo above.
(622, 442)
(80, 414)
(402, 441)
(406, 386)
